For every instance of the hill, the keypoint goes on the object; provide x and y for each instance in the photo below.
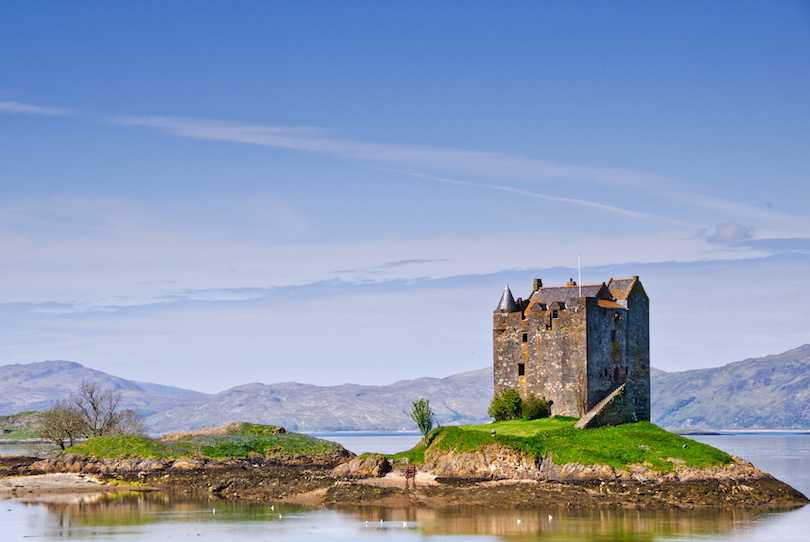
(35, 386)
(772, 392)
(458, 399)
(461, 398)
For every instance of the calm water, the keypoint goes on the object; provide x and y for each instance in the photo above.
(148, 517)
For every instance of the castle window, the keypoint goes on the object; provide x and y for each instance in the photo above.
(554, 313)
(613, 335)
(525, 337)
(521, 369)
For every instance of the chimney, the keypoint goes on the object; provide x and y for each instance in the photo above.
(537, 285)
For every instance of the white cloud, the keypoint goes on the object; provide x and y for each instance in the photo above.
(728, 232)
(17, 108)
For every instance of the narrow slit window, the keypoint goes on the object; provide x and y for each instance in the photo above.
(521, 369)
(525, 337)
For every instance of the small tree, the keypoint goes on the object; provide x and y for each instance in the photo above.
(422, 415)
(90, 412)
(129, 422)
(506, 406)
(535, 407)
(62, 424)
(98, 406)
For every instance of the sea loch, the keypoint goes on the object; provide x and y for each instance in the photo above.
(162, 516)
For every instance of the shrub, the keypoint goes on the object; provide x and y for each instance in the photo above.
(506, 406)
(535, 407)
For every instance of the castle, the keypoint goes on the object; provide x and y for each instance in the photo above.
(579, 347)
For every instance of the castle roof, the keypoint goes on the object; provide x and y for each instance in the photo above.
(507, 303)
(612, 295)
(620, 289)
(562, 294)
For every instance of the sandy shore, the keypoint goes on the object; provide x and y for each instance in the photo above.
(55, 488)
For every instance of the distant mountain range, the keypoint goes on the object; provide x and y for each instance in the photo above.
(772, 392)
(765, 393)
(458, 399)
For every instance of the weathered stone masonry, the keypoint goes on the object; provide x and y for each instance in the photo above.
(575, 344)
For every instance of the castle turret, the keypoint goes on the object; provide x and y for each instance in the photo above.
(507, 303)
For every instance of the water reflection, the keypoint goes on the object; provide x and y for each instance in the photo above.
(561, 524)
(112, 515)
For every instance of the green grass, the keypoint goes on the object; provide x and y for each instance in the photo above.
(245, 440)
(127, 447)
(22, 425)
(618, 447)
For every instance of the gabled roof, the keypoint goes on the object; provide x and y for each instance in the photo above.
(507, 303)
(620, 289)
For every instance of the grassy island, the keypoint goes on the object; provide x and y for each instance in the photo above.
(640, 443)
(235, 440)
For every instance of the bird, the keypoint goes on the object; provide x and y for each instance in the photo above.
(550, 517)
(280, 516)
(214, 511)
(518, 522)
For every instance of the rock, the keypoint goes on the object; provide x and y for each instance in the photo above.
(373, 465)
(279, 430)
(185, 464)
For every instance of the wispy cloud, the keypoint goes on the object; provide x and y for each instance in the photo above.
(573, 201)
(801, 224)
(17, 108)
(476, 163)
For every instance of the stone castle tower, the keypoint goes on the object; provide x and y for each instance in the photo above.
(576, 346)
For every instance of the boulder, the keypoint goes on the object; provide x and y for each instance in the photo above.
(372, 465)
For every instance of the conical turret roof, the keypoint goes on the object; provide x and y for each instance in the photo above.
(507, 303)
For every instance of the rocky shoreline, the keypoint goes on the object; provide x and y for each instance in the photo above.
(372, 481)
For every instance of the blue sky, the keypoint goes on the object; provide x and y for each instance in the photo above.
(206, 194)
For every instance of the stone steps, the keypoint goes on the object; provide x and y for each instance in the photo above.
(583, 421)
